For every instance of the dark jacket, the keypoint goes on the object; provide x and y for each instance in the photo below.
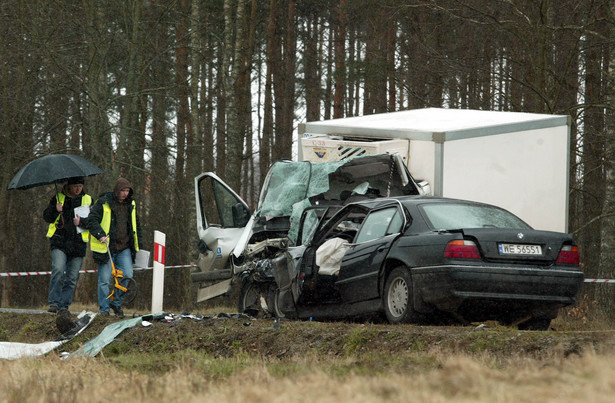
(66, 237)
(92, 223)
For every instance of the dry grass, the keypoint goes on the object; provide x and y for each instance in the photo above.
(426, 373)
(458, 378)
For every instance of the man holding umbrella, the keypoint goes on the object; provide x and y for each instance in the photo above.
(68, 242)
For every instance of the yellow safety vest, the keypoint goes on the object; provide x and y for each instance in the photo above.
(96, 245)
(85, 200)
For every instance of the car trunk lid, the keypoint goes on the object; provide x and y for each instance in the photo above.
(522, 245)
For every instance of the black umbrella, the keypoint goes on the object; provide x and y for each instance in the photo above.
(52, 168)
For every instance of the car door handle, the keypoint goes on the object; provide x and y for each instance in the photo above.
(381, 249)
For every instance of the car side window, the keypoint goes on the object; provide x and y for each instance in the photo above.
(347, 226)
(396, 223)
(379, 224)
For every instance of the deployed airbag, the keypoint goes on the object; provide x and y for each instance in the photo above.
(329, 255)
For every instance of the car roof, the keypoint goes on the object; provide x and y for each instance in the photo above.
(414, 200)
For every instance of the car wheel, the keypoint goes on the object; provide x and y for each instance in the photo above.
(274, 294)
(535, 324)
(257, 299)
(398, 305)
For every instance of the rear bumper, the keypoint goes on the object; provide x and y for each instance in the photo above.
(483, 292)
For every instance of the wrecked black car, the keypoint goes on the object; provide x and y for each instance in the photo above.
(407, 258)
(412, 257)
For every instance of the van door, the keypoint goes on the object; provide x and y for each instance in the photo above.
(221, 217)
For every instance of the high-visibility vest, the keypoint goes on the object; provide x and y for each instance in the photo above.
(96, 245)
(85, 200)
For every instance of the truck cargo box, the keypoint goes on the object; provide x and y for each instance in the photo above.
(518, 161)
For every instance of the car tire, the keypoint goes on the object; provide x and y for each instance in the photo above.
(535, 324)
(258, 299)
(397, 297)
(249, 299)
(274, 294)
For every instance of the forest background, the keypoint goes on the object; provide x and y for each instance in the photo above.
(159, 91)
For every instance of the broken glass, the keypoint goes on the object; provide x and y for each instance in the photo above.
(291, 187)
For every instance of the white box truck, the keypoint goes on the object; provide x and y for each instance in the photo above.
(518, 161)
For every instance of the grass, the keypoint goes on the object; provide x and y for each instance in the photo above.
(356, 339)
(336, 363)
(198, 377)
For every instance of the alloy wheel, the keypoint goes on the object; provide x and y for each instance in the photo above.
(398, 297)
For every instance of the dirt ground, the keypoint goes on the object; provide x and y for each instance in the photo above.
(225, 335)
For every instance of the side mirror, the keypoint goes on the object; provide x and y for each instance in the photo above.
(241, 215)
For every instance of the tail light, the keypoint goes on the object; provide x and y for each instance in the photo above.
(568, 255)
(461, 249)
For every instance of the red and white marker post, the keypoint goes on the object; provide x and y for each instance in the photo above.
(158, 272)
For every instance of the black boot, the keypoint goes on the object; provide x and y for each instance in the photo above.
(118, 311)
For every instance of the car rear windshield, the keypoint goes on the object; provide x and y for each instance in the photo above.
(450, 216)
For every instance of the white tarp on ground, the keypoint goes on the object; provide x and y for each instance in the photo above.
(13, 351)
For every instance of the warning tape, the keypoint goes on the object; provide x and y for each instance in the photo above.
(45, 273)
(599, 280)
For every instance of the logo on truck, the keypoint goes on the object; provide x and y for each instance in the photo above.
(320, 153)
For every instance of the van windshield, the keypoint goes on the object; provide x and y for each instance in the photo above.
(291, 187)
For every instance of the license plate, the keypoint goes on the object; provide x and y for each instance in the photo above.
(518, 249)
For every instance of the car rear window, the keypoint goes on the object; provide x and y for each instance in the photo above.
(455, 216)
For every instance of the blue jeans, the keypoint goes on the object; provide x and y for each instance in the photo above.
(64, 276)
(122, 261)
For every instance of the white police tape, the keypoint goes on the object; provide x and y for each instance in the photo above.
(45, 273)
(599, 280)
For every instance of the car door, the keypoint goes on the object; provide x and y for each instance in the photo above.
(222, 219)
(358, 275)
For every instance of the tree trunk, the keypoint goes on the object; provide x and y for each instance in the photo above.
(593, 145)
(272, 60)
(290, 62)
(311, 63)
(340, 57)
(129, 157)
(235, 127)
(176, 284)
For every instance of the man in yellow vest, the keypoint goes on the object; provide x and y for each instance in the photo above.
(113, 222)
(68, 239)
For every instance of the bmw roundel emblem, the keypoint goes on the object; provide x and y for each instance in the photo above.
(520, 235)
